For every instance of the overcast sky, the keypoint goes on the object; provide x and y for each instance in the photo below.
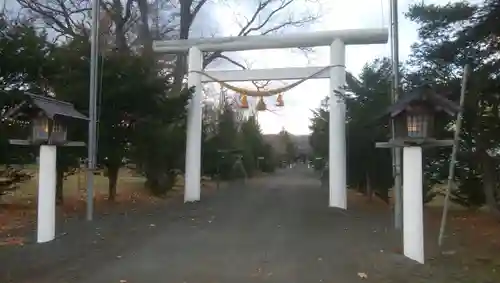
(337, 14)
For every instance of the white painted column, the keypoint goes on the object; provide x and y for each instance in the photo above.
(337, 139)
(46, 223)
(194, 124)
(413, 222)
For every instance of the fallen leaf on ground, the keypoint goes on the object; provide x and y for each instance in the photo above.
(362, 275)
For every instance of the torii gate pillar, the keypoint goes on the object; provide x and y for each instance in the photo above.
(337, 172)
(192, 180)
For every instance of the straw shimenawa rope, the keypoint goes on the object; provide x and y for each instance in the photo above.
(271, 92)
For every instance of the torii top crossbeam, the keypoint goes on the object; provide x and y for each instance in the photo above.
(254, 42)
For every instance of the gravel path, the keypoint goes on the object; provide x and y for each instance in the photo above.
(276, 229)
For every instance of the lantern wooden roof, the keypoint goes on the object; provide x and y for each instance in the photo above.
(424, 93)
(51, 107)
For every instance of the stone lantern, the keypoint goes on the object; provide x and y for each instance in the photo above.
(49, 119)
(414, 116)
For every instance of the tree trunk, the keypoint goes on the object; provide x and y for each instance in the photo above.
(120, 20)
(59, 186)
(181, 60)
(121, 40)
(368, 187)
(112, 181)
(145, 33)
(159, 182)
(489, 184)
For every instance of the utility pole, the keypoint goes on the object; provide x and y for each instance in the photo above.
(396, 152)
(94, 63)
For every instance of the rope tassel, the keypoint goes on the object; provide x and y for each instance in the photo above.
(244, 101)
(261, 105)
(279, 101)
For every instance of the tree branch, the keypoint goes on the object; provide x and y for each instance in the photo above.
(58, 15)
(258, 10)
(197, 8)
(232, 61)
(283, 5)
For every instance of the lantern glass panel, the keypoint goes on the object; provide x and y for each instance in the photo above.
(417, 125)
(58, 135)
(42, 124)
(40, 128)
(57, 127)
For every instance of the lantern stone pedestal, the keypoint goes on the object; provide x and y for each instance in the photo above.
(413, 227)
(46, 224)
(47, 180)
(413, 204)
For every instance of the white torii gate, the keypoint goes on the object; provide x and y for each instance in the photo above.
(337, 40)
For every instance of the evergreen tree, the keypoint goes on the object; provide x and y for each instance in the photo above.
(451, 36)
(365, 163)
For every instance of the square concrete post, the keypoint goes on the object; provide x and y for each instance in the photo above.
(46, 217)
(413, 222)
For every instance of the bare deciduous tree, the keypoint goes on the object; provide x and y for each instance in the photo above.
(127, 20)
(66, 18)
(132, 23)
